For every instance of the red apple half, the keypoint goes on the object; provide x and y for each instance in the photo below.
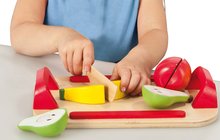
(173, 73)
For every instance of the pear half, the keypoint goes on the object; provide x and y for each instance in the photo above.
(48, 124)
(160, 98)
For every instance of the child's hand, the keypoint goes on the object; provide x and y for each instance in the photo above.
(134, 72)
(77, 53)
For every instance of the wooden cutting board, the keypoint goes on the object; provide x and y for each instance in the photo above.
(193, 117)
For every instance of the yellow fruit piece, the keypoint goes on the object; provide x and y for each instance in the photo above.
(94, 94)
(119, 93)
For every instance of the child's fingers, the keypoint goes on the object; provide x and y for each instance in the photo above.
(63, 57)
(115, 74)
(134, 82)
(125, 75)
(70, 61)
(88, 57)
(144, 81)
(77, 62)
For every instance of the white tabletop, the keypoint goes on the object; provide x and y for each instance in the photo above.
(17, 80)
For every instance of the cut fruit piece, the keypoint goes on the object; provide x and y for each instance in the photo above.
(207, 96)
(49, 124)
(83, 78)
(172, 73)
(119, 93)
(158, 97)
(94, 94)
(42, 95)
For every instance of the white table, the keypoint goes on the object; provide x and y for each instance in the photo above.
(17, 79)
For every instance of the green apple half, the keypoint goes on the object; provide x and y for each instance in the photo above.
(48, 124)
(160, 98)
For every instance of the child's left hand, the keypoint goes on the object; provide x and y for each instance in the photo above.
(134, 71)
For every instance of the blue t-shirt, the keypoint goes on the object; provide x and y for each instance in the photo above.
(109, 24)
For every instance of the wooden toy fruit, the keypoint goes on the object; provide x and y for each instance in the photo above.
(45, 82)
(49, 124)
(119, 93)
(84, 79)
(93, 94)
(158, 97)
(173, 73)
(202, 80)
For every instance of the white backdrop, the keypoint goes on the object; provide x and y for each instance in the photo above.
(193, 26)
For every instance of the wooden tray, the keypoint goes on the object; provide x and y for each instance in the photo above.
(197, 114)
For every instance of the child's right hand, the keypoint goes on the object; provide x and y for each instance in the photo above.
(76, 52)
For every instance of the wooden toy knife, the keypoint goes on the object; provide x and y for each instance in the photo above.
(97, 77)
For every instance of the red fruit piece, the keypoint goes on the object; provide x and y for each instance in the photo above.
(207, 96)
(173, 73)
(82, 78)
(42, 95)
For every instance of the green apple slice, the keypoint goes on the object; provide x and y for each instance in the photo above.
(158, 97)
(48, 124)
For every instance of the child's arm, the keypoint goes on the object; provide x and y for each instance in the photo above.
(30, 37)
(152, 30)
(134, 70)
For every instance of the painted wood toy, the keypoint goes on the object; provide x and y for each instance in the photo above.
(119, 93)
(48, 124)
(207, 96)
(158, 97)
(82, 78)
(85, 79)
(90, 94)
(172, 73)
(127, 114)
(95, 77)
(93, 94)
(200, 112)
(42, 95)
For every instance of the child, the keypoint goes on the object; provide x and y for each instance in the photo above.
(132, 33)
